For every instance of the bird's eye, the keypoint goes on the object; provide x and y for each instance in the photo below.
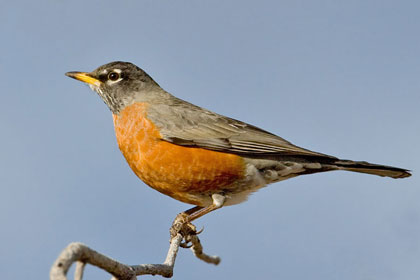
(113, 76)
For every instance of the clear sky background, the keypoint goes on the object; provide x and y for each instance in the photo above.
(338, 77)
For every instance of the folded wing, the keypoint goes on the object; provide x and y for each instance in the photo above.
(188, 125)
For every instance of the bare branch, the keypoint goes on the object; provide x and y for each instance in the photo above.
(197, 249)
(81, 254)
(80, 267)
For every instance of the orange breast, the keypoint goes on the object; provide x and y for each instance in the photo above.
(186, 174)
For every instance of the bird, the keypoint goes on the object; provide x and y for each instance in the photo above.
(195, 155)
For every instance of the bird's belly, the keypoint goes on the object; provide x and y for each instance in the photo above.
(190, 175)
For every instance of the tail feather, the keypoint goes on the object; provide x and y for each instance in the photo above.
(370, 168)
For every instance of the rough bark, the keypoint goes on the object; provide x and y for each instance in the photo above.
(184, 235)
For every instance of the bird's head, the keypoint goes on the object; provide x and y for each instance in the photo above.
(119, 84)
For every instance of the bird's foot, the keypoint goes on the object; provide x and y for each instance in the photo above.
(185, 228)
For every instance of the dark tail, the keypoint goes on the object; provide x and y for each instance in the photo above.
(370, 168)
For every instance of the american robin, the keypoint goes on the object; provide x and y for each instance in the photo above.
(197, 156)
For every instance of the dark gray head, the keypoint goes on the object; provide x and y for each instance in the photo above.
(120, 84)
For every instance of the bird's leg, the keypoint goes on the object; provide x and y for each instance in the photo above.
(192, 210)
(218, 202)
(182, 222)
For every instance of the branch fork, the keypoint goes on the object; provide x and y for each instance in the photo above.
(183, 234)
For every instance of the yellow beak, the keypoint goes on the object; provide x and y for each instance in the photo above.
(84, 77)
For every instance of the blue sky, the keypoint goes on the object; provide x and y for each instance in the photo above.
(336, 77)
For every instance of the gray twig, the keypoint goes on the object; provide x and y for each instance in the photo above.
(82, 255)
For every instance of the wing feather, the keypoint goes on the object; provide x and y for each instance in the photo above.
(188, 125)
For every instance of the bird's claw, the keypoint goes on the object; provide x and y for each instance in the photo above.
(185, 245)
(200, 231)
(185, 228)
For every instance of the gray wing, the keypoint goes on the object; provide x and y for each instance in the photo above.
(182, 123)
